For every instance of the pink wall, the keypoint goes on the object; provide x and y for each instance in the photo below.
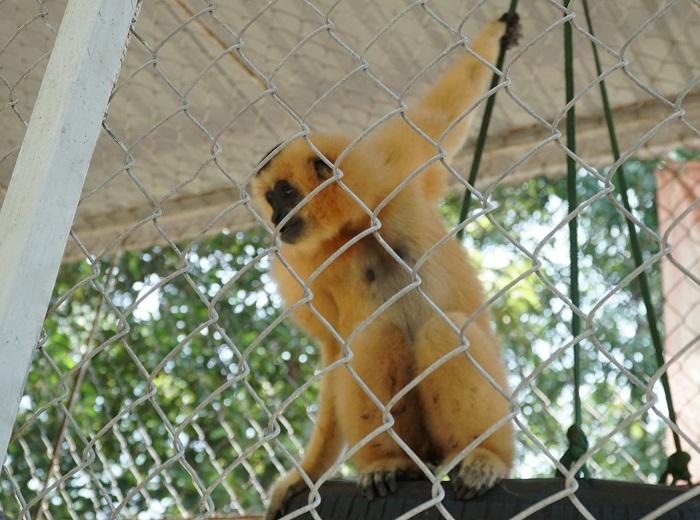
(678, 192)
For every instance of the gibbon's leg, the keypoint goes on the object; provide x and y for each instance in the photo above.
(460, 404)
(322, 451)
(382, 360)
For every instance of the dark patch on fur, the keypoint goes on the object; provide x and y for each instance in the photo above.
(392, 383)
(452, 442)
(391, 278)
(400, 252)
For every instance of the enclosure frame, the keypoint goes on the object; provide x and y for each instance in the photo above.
(47, 180)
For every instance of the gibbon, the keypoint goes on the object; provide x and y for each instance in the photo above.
(370, 271)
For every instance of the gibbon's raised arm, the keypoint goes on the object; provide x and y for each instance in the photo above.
(462, 85)
(451, 98)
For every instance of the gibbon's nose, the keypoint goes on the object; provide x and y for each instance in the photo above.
(278, 215)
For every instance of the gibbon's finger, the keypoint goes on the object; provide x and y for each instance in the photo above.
(273, 514)
(475, 476)
(378, 484)
(410, 474)
(513, 31)
(464, 491)
(276, 512)
(382, 483)
(279, 503)
(390, 479)
(366, 484)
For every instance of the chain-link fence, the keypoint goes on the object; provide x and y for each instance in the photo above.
(169, 381)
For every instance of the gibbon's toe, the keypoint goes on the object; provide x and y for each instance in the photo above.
(377, 483)
(476, 474)
(382, 482)
(513, 31)
(281, 494)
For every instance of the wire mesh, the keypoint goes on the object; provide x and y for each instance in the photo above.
(170, 381)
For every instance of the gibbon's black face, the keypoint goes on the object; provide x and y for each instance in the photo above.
(282, 198)
(283, 183)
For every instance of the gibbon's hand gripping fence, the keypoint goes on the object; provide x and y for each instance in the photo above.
(166, 381)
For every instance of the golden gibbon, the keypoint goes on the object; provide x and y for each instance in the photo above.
(379, 282)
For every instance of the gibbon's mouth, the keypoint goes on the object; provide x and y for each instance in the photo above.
(291, 231)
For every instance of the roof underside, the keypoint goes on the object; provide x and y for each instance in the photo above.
(206, 91)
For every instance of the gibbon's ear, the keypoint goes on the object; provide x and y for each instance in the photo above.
(323, 171)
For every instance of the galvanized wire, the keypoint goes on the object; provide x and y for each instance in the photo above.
(202, 95)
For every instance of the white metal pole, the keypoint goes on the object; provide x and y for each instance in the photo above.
(43, 194)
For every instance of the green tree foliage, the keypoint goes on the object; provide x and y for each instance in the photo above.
(178, 382)
(181, 358)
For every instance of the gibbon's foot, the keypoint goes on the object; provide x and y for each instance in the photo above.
(384, 481)
(281, 494)
(513, 30)
(477, 473)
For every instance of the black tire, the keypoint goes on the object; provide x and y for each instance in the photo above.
(604, 499)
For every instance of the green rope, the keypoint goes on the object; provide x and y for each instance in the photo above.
(677, 464)
(481, 139)
(677, 468)
(578, 445)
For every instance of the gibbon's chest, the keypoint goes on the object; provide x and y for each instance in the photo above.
(373, 274)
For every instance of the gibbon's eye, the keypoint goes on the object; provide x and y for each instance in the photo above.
(286, 190)
(321, 168)
(283, 194)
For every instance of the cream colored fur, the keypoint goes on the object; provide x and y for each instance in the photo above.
(453, 405)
